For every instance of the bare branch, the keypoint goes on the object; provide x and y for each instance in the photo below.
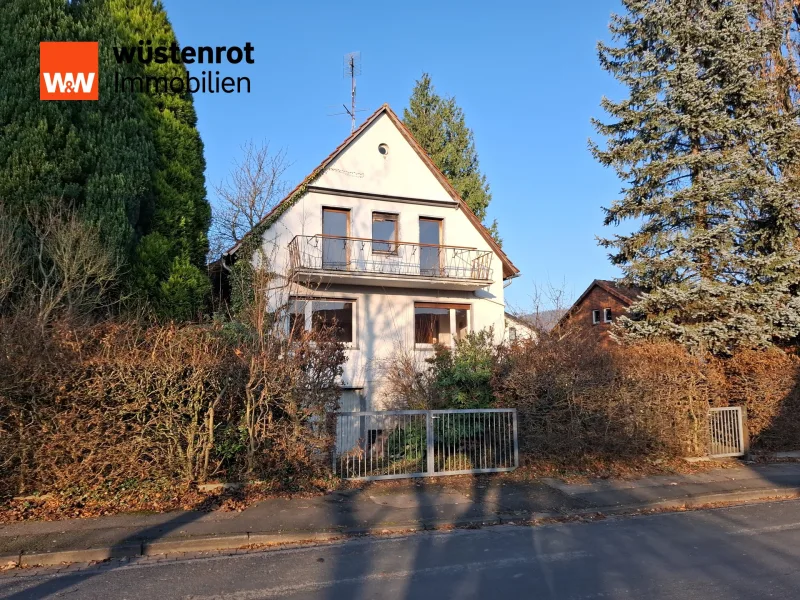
(11, 254)
(253, 188)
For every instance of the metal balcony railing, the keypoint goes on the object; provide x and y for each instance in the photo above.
(364, 256)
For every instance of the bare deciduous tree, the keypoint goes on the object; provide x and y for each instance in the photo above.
(73, 271)
(11, 254)
(253, 188)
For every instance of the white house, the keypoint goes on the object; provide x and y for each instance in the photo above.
(377, 240)
(518, 329)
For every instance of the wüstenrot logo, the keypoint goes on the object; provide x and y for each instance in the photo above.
(68, 71)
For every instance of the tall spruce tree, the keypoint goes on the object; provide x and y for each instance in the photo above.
(706, 159)
(170, 258)
(439, 126)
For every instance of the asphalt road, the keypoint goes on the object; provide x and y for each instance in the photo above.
(743, 552)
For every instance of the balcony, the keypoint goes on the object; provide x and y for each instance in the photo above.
(362, 261)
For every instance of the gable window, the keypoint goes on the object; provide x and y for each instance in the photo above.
(595, 317)
(439, 323)
(323, 315)
(607, 315)
(384, 228)
(512, 334)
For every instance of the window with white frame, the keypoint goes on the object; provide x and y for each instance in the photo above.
(440, 323)
(607, 315)
(595, 317)
(323, 314)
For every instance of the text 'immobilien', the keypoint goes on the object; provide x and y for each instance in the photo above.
(211, 82)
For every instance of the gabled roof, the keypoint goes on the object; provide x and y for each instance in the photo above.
(509, 270)
(625, 294)
(544, 320)
(518, 320)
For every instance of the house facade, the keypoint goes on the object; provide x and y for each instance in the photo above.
(377, 243)
(598, 307)
(519, 329)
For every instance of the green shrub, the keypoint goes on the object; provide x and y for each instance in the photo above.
(462, 377)
(408, 442)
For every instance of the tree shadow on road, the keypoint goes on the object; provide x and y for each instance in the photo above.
(152, 534)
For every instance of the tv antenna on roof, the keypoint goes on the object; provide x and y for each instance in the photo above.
(352, 68)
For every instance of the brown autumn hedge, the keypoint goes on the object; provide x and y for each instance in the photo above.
(767, 384)
(576, 398)
(107, 406)
(84, 408)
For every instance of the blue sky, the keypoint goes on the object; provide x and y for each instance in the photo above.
(525, 73)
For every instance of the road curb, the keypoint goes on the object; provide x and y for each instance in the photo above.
(268, 539)
(10, 559)
(746, 496)
(59, 557)
(699, 501)
(199, 544)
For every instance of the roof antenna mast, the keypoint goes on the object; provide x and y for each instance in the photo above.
(352, 68)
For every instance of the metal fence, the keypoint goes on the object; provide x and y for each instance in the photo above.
(726, 432)
(420, 443)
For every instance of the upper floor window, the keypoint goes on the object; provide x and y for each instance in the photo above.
(335, 229)
(384, 228)
(512, 333)
(595, 317)
(607, 315)
(430, 252)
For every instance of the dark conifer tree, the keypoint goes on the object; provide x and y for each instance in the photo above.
(438, 124)
(92, 157)
(169, 265)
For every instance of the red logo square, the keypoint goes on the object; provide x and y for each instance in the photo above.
(68, 71)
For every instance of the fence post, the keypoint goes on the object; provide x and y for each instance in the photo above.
(335, 426)
(743, 428)
(429, 441)
(516, 440)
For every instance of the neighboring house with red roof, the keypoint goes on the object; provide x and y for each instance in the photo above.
(599, 306)
(378, 243)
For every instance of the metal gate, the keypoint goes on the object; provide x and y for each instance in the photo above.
(726, 432)
(422, 443)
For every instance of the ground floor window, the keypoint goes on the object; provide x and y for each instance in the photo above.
(317, 314)
(440, 323)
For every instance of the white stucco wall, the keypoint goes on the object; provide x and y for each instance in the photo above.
(384, 316)
(522, 330)
(361, 168)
